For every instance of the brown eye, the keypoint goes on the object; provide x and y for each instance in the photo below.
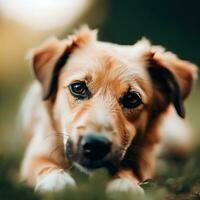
(131, 99)
(79, 90)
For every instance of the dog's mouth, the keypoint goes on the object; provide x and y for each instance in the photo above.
(110, 161)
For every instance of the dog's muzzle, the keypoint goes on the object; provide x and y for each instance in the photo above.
(93, 151)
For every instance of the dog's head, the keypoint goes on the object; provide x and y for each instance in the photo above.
(103, 94)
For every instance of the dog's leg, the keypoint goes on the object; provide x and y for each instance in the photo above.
(40, 166)
(45, 175)
(125, 181)
(44, 151)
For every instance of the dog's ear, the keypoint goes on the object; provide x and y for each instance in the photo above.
(48, 59)
(173, 78)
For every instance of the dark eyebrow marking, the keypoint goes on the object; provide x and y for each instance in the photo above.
(58, 66)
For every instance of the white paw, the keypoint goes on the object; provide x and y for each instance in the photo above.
(55, 181)
(123, 185)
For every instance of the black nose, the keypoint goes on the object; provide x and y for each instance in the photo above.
(94, 147)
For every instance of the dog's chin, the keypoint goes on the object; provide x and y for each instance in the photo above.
(110, 163)
(91, 165)
(87, 166)
(88, 169)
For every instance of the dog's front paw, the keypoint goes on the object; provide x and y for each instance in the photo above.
(56, 180)
(123, 185)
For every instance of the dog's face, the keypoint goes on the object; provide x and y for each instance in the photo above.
(101, 100)
(102, 94)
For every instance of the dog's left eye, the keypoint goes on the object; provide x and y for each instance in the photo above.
(79, 89)
(131, 99)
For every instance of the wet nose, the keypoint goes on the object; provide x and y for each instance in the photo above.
(94, 147)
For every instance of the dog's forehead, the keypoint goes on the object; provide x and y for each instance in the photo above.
(104, 64)
(122, 63)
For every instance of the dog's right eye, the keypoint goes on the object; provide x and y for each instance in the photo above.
(131, 99)
(79, 90)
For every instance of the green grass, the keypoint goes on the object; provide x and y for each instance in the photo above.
(180, 180)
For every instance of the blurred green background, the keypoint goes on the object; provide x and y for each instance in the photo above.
(175, 24)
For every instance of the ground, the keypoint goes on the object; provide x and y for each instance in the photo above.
(179, 179)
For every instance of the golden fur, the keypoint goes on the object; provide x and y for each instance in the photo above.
(109, 71)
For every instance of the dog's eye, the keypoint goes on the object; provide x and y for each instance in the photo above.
(131, 99)
(79, 90)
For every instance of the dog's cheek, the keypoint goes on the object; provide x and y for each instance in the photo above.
(127, 134)
(60, 112)
(141, 123)
(124, 130)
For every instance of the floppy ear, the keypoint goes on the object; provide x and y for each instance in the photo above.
(48, 59)
(172, 77)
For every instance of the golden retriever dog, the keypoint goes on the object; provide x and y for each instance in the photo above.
(101, 105)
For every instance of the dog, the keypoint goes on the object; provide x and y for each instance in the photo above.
(96, 104)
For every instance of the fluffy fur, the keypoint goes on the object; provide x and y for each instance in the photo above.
(51, 115)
